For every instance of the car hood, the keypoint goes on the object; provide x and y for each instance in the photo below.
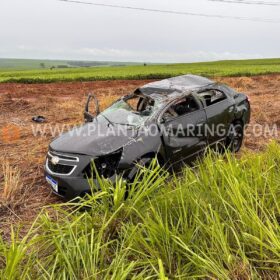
(95, 139)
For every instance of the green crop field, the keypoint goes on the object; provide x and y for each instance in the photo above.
(31, 64)
(220, 220)
(208, 69)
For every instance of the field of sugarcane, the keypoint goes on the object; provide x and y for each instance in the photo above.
(218, 220)
(235, 68)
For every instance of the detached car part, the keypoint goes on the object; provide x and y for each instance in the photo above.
(39, 119)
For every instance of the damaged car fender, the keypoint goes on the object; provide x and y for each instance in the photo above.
(146, 144)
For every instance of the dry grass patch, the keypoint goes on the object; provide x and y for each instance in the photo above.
(11, 185)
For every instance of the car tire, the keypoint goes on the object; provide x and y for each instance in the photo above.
(235, 137)
(144, 162)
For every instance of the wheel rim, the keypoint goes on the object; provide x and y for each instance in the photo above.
(237, 139)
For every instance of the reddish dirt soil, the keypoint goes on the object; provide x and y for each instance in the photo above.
(62, 104)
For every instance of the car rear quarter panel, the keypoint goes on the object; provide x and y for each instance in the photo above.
(243, 110)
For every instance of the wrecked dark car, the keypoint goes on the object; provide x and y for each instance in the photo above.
(173, 120)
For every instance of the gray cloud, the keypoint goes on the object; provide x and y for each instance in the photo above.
(131, 55)
(50, 29)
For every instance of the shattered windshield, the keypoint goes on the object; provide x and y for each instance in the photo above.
(132, 111)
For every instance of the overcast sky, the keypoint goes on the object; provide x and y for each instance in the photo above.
(51, 29)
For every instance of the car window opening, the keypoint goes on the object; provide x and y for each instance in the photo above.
(133, 110)
(212, 97)
(183, 107)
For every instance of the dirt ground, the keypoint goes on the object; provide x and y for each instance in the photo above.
(62, 104)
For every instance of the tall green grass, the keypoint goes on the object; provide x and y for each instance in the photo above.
(208, 69)
(219, 220)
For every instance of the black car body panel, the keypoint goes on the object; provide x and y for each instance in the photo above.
(86, 141)
(165, 109)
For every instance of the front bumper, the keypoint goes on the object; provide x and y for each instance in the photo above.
(72, 187)
(68, 171)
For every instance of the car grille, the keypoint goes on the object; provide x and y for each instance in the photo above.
(65, 168)
(64, 157)
(60, 168)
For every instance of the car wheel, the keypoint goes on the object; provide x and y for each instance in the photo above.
(235, 137)
(131, 177)
(144, 162)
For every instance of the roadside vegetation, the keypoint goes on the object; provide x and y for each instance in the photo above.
(208, 69)
(219, 220)
(11, 190)
(29, 64)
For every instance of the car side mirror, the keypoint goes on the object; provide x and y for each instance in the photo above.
(89, 115)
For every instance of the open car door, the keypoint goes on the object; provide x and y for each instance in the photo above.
(91, 109)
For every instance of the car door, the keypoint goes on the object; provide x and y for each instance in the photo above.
(181, 127)
(219, 109)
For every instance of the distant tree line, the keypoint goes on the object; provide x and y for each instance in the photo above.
(88, 64)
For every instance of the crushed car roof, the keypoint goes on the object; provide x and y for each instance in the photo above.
(176, 84)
